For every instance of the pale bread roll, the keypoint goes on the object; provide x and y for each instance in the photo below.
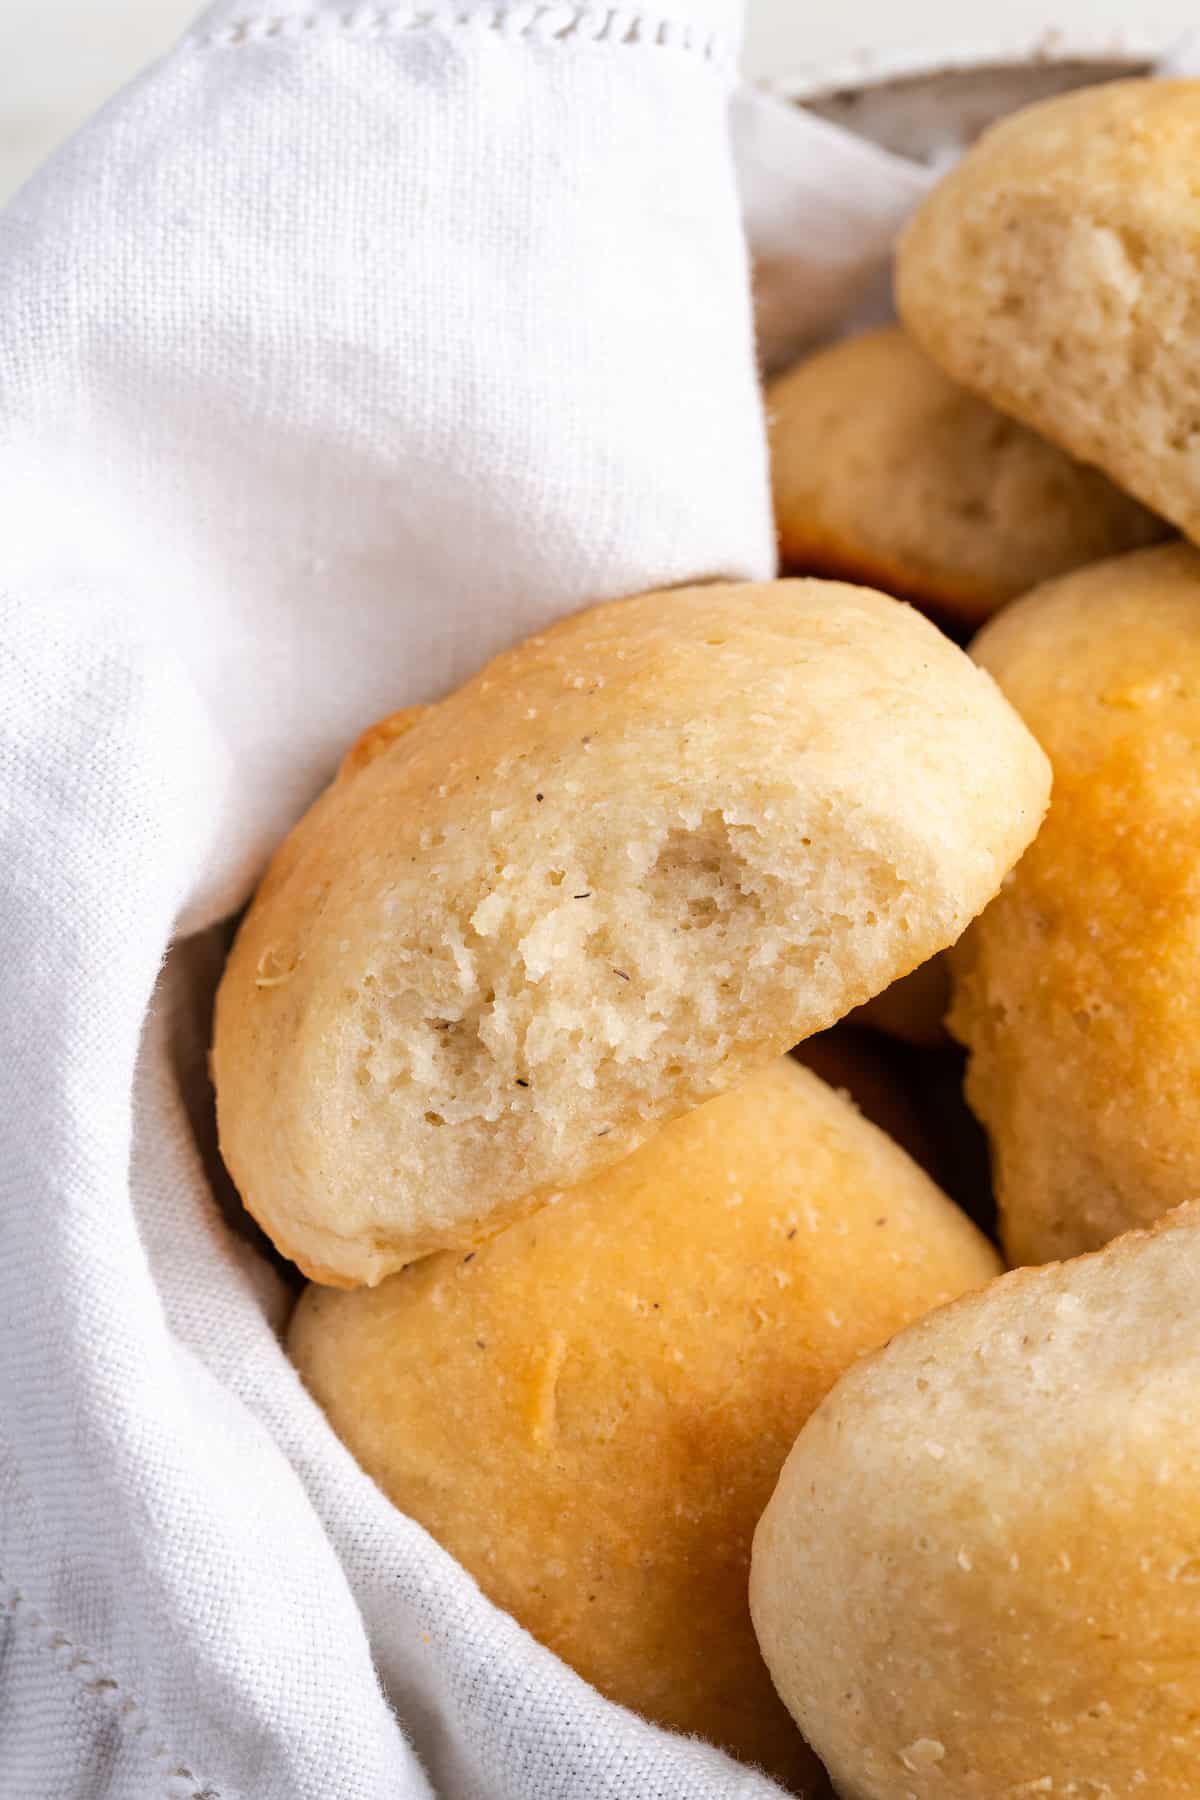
(1075, 992)
(979, 1575)
(1054, 272)
(630, 862)
(886, 471)
(911, 1010)
(591, 1411)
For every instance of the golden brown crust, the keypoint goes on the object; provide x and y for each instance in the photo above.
(591, 1411)
(377, 738)
(977, 1575)
(884, 471)
(1053, 272)
(1074, 991)
(628, 863)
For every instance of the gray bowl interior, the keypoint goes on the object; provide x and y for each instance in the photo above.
(929, 114)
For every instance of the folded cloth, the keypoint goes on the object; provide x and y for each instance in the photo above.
(343, 349)
(821, 209)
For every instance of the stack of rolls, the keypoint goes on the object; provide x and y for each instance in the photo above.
(978, 1574)
(676, 1343)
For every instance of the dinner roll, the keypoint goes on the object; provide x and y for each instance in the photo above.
(630, 862)
(884, 470)
(914, 1008)
(1075, 992)
(979, 1575)
(1054, 271)
(590, 1411)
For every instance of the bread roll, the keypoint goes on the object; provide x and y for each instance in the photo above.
(630, 862)
(1075, 991)
(979, 1575)
(590, 1411)
(884, 470)
(1053, 272)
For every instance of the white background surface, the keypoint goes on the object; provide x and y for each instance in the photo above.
(59, 59)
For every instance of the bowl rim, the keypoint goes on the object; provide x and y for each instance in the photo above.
(869, 70)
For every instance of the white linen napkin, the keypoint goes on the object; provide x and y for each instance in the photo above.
(343, 349)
